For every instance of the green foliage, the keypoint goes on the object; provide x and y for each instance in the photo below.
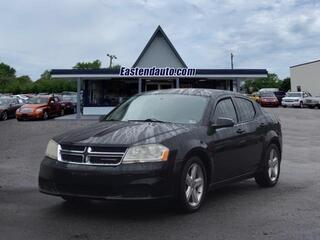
(285, 85)
(9, 83)
(7, 71)
(88, 65)
(272, 81)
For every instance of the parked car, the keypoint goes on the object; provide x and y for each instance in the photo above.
(295, 99)
(8, 107)
(255, 96)
(279, 95)
(268, 99)
(21, 98)
(40, 107)
(69, 103)
(152, 147)
(268, 90)
(312, 102)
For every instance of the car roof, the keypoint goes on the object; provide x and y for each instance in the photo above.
(204, 92)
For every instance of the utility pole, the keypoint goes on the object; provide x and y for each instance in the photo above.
(111, 58)
(231, 60)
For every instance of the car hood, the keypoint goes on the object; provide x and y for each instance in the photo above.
(123, 133)
(33, 106)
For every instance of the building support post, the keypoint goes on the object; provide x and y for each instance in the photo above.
(238, 84)
(78, 97)
(140, 85)
(177, 83)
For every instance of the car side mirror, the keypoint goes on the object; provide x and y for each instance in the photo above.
(222, 122)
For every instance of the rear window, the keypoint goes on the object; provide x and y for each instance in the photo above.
(246, 109)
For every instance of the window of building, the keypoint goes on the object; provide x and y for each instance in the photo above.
(109, 92)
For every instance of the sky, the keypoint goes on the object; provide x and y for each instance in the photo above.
(36, 35)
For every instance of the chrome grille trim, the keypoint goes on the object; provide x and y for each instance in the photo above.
(87, 153)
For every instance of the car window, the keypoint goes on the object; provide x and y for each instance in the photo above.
(225, 108)
(246, 109)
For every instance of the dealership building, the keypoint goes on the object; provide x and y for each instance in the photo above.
(159, 66)
(306, 77)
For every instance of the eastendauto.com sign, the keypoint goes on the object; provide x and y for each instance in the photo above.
(154, 71)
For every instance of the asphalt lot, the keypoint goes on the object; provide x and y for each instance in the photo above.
(291, 210)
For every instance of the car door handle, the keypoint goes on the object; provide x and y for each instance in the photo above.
(240, 130)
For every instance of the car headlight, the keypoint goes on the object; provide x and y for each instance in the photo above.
(39, 110)
(146, 153)
(52, 149)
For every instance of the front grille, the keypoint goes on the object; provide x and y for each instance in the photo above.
(92, 155)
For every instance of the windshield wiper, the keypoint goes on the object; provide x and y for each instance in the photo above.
(147, 120)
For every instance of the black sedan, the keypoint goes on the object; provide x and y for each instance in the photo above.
(176, 143)
(8, 107)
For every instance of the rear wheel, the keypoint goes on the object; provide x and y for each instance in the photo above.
(193, 185)
(269, 175)
(4, 116)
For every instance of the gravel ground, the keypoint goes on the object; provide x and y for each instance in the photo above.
(291, 210)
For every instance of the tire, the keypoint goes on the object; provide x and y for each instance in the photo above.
(301, 105)
(269, 175)
(193, 182)
(45, 116)
(62, 112)
(311, 107)
(284, 106)
(4, 116)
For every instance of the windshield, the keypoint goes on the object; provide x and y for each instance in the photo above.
(267, 94)
(38, 100)
(4, 101)
(69, 98)
(294, 94)
(162, 108)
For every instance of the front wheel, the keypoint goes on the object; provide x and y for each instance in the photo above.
(45, 115)
(269, 175)
(193, 185)
(301, 105)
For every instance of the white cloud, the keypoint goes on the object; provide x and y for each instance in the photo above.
(274, 34)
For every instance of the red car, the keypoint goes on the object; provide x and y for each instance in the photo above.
(40, 107)
(268, 99)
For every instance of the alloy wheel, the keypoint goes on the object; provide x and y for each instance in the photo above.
(273, 164)
(194, 185)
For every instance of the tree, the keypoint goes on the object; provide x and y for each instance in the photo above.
(272, 81)
(285, 84)
(7, 71)
(88, 65)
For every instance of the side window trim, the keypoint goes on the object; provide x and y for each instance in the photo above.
(234, 106)
(255, 111)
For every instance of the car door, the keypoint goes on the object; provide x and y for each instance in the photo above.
(223, 142)
(250, 135)
(14, 106)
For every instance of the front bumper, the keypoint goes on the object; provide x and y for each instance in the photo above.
(269, 104)
(290, 104)
(29, 116)
(126, 181)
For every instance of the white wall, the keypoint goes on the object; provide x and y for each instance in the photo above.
(159, 54)
(307, 76)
